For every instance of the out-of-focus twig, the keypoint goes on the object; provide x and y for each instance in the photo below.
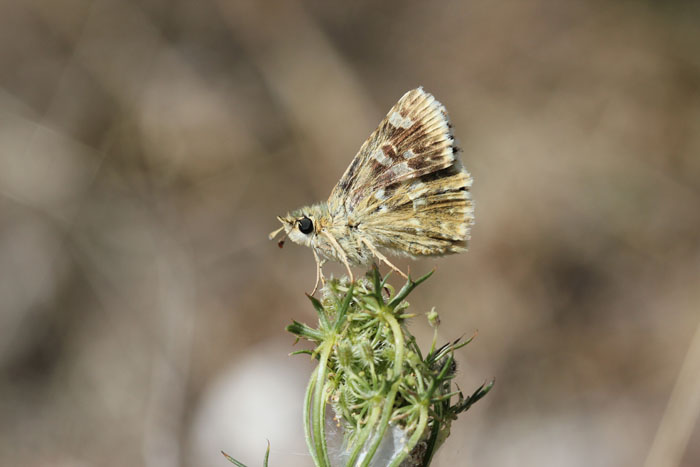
(681, 413)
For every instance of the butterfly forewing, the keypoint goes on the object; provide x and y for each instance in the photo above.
(413, 139)
(406, 188)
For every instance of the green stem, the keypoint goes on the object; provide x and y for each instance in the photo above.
(307, 427)
(383, 424)
(417, 434)
(432, 442)
(364, 434)
(322, 424)
(398, 342)
(319, 410)
(395, 327)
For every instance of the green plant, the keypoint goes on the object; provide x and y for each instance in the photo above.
(373, 376)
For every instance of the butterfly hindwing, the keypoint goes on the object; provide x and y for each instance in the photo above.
(429, 216)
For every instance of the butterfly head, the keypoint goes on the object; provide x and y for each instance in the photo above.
(299, 226)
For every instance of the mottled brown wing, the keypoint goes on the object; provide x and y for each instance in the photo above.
(406, 189)
(414, 139)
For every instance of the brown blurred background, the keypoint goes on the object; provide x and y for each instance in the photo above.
(146, 147)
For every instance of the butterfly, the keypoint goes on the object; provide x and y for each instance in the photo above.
(406, 193)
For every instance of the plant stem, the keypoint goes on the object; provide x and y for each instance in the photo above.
(319, 410)
(398, 342)
(383, 424)
(364, 434)
(307, 418)
(417, 434)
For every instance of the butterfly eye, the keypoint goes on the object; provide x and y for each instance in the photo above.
(306, 226)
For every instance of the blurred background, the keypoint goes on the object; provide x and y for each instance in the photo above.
(147, 146)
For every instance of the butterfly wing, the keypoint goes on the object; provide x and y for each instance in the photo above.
(406, 188)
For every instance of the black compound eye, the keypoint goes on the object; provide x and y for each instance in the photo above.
(306, 226)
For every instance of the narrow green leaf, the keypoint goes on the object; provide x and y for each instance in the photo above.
(234, 461)
(318, 306)
(267, 454)
(344, 306)
(305, 331)
(407, 289)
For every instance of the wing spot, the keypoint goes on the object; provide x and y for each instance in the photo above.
(379, 156)
(400, 169)
(396, 120)
(416, 190)
(418, 203)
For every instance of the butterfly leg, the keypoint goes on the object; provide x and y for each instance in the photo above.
(381, 257)
(341, 252)
(319, 271)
